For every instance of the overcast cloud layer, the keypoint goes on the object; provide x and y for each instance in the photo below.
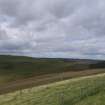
(53, 28)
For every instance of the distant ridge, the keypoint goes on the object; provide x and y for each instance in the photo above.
(68, 59)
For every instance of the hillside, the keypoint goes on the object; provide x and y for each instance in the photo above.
(81, 91)
(18, 72)
(23, 67)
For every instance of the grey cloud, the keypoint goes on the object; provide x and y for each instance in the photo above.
(3, 35)
(57, 28)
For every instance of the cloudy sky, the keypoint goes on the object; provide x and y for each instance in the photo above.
(53, 28)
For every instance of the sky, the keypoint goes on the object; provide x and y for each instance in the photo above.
(53, 28)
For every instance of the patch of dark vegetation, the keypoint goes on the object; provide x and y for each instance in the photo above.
(100, 64)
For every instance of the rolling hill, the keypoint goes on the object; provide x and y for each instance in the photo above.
(19, 72)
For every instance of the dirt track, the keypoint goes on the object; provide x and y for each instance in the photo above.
(45, 79)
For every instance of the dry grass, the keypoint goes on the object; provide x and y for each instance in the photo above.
(45, 79)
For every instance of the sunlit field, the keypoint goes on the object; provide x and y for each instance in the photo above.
(88, 90)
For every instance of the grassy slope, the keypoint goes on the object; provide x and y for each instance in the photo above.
(88, 90)
(15, 67)
(98, 99)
